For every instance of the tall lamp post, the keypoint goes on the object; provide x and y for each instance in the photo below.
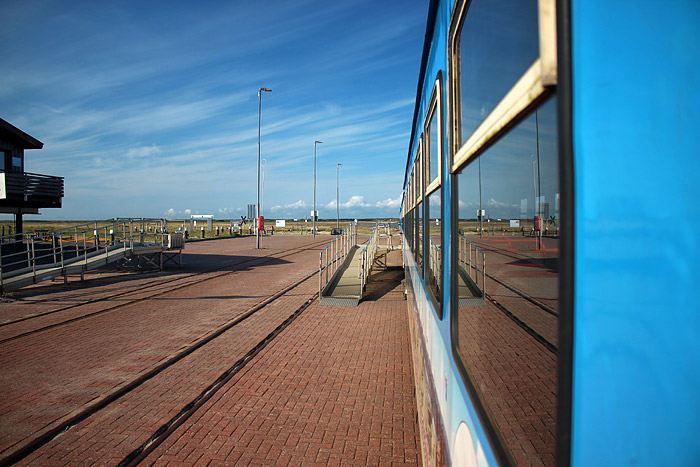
(257, 212)
(337, 196)
(313, 214)
(262, 189)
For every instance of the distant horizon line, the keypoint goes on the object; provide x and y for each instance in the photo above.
(214, 218)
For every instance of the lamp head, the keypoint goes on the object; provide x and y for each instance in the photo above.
(266, 89)
(318, 142)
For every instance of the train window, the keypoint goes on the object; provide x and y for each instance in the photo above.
(411, 202)
(420, 189)
(507, 344)
(433, 204)
(433, 149)
(503, 63)
(433, 143)
(419, 237)
(411, 198)
(499, 42)
(434, 234)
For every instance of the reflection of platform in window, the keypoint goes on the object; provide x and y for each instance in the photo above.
(513, 333)
(471, 273)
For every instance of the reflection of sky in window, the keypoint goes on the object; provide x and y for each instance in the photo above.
(434, 202)
(433, 147)
(499, 42)
(509, 169)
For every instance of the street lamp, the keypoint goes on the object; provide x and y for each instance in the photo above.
(337, 196)
(536, 206)
(313, 214)
(481, 211)
(257, 212)
(262, 190)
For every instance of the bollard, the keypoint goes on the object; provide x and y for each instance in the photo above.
(217, 231)
(97, 238)
(187, 234)
(202, 231)
(111, 236)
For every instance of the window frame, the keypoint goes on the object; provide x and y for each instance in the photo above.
(534, 86)
(419, 170)
(435, 109)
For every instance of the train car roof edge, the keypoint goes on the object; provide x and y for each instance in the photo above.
(429, 28)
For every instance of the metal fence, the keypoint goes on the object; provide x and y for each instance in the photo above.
(367, 257)
(36, 251)
(434, 262)
(333, 255)
(470, 263)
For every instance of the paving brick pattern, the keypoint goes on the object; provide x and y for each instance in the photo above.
(516, 377)
(335, 389)
(52, 374)
(515, 374)
(106, 438)
(196, 257)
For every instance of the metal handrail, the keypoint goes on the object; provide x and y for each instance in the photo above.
(471, 264)
(368, 252)
(434, 262)
(388, 235)
(36, 251)
(335, 253)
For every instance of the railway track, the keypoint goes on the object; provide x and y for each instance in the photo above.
(172, 285)
(95, 406)
(524, 295)
(522, 323)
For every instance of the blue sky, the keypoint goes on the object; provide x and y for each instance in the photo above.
(150, 109)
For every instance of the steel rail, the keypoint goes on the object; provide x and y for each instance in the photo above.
(239, 265)
(102, 402)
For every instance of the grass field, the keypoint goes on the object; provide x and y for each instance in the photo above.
(291, 228)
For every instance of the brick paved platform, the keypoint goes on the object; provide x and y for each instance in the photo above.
(335, 387)
(509, 343)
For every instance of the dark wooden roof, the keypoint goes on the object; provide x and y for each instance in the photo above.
(13, 134)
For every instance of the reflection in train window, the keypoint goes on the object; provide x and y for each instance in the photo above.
(432, 149)
(498, 43)
(419, 237)
(420, 191)
(434, 266)
(508, 342)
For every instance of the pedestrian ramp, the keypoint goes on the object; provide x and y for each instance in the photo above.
(33, 257)
(345, 266)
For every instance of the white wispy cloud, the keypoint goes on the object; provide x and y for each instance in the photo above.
(155, 108)
(389, 203)
(143, 151)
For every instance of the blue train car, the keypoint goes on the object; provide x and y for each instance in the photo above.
(550, 217)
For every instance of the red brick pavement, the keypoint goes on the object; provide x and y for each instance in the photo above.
(515, 374)
(196, 257)
(48, 376)
(334, 365)
(335, 389)
(127, 423)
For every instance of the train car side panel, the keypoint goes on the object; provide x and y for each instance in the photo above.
(636, 101)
